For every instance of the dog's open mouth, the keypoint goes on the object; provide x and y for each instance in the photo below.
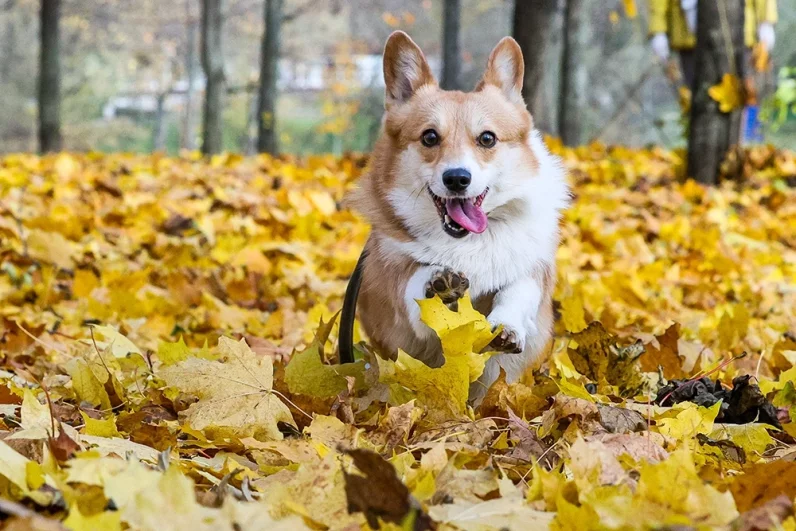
(461, 216)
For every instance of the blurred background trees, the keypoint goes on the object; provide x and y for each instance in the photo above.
(305, 76)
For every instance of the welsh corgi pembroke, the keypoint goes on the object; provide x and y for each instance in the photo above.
(461, 193)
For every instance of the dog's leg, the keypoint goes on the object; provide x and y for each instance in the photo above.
(515, 308)
(427, 282)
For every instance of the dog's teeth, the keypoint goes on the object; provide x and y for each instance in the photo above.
(447, 219)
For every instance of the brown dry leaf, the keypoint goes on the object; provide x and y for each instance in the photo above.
(636, 446)
(527, 445)
(598, 357)
(621, 420)
(762, 483)
(766, 516)
(394, 427)
(379, 494)
(664, 352)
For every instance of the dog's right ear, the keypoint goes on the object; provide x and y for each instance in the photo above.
(405, 69)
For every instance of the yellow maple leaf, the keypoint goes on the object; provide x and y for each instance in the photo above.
(100, 427)
(753, 438)
(685, 420)
(104, 521)
(728, 93)
(235, 393)
(14, 468)
(630, 8)
(52, 248)
(306, 374)
(463, 333)
(443, 390)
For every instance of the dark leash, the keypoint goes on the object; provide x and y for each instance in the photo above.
(345, 346)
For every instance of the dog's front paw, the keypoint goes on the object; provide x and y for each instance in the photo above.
(508, 340)
(449, 285)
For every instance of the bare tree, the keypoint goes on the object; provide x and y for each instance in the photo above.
(189, 125)
(719, 51)
(50, 77)
(451, 45)
(269, 73)
(213, 64)
(574, 73)
(159, 129)
(533, 28)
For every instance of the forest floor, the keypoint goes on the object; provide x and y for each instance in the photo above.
(163, 366)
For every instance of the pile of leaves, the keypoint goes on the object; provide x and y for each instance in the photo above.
(167, 356)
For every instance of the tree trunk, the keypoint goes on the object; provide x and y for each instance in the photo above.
(159, 131)
(451, 45)
(189, 122)
(574, 74)
(213, 64)
(251, 122)
(7, 56)
(533, 29)
(269, 74)
(50, 77)
(719, 51)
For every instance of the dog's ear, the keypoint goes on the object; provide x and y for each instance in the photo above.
(505, 70)
(405, 69)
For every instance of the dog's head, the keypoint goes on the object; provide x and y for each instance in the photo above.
(450, 158)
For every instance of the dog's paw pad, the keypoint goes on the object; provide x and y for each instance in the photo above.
(508, 340)
(449, 285)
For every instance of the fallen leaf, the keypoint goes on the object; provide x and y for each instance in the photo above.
(379, 494)
(762, 483)
(307, 374)
(235, 393)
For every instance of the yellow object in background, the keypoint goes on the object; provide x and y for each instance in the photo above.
(667, 16)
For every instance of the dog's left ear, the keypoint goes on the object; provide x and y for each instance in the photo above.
(505, 70)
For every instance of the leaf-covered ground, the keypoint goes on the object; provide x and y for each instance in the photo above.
(163, 366)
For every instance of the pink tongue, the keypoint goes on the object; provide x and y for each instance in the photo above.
(466, 214)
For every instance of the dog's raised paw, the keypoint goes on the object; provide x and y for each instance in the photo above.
(508, 340)
(449, 285)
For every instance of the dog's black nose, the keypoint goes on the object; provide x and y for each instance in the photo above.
(456, 179)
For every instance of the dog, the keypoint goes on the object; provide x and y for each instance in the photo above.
(461, 193)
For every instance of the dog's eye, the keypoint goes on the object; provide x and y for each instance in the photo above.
(487, 139)
(430, 138)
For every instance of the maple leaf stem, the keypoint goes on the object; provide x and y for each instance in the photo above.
(286, 399)
(39, 341)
